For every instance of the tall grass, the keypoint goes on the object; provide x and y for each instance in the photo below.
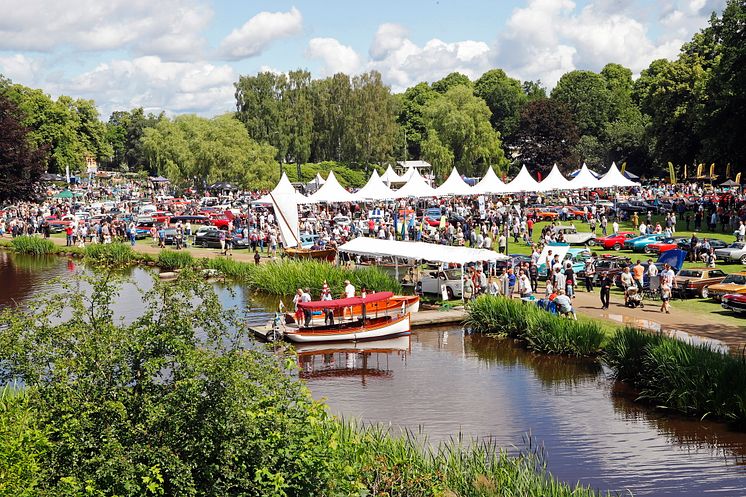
(110, 254)
(692, 379)
(284, 277)
(542, 331)
(368, 460)
(33, 245)
(174, 259)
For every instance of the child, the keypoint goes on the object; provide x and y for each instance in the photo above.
(666, 297)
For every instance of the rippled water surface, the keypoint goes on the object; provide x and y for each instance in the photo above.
(444, 383)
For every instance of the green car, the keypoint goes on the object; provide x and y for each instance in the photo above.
(638, 244)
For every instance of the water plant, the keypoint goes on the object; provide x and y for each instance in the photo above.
(174, 259)
(33, 245)
(110, 254)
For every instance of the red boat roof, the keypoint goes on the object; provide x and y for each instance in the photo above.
(337, 303)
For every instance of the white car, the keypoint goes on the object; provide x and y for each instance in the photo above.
(451, 278)
(342, 220)
(573, 237)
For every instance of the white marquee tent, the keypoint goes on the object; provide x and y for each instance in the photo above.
(391, 177)
(331, 191)
(284, 201)
(554, 181)
(523, 182)
(490, 184)
(454, 185)
(419, 251)
(615, 178)
(415, 187)
(584, 179)
(374, 189)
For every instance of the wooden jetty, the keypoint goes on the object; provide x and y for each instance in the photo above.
(421, 319)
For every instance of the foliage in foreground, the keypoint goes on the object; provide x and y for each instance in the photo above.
(173, 404)
(174, 259)
(110, 254)
(542, 331)
(693, 379)
(33, 245)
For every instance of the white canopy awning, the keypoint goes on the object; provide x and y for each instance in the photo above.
(391, 177)
(490, 184)
(615, 178)
(554, 181)
(523, 182)
(454, 185)
(374, 189)
(419, 251)
(415, 187)
(330, 192)
(584, 179)
(284, 200)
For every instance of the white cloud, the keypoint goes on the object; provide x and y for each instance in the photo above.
(259, 31)
(168, 28)
(335, 56)
(20, 68)
(389, 37)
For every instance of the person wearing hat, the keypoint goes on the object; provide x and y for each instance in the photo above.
(468, 288)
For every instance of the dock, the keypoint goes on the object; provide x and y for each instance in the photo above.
(421, 319)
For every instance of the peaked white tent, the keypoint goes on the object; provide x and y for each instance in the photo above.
(555, 181)
(415, 187)
(615, 178)
(489, 184)
(284, 201)
(390, 177)
(584, 179)
(408, 173)
(523, 182)
(330, 192)
(374, 189)
(454, 185)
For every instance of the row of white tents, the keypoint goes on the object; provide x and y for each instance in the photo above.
(378, 187)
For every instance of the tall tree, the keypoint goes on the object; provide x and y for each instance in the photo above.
(332, 101)
(450, 81)
(586, 96)
(259, 108)
(21, 162)
(412, 119)
(504, 96)
(298, 116)
(546, 134)
(124, 131)
(372, 130)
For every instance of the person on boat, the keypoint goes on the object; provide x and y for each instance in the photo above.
(296, 300)
(307, 314)
(349, 293)
(326, 294)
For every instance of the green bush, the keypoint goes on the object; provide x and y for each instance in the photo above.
(174, 259)
(33, 245)
(110, 254)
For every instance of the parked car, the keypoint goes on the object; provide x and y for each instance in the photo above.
(674, 258)
(432, 216)
(638, 244)
(577, 256)
(665, 244)
(616, 241)
(431, 282)
(695, 281)
(571, 235)
(734, 302)
(541, 214)
(307, 240)
(611, 264)
(733, 253)
(209, 237)
(733, 283)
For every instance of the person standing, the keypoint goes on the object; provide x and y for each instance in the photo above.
(569, 280)
(533, 274)
(590, 272)
(638, 273)
(257, 257)
(307, 314)
(349, 293)
(605, 290)
(524, 285)
(615, 227)
(666, 297)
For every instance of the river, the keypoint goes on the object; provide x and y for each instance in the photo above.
(444, 384)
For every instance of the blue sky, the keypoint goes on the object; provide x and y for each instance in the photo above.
(182, 56)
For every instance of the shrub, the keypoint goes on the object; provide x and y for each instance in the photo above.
(174, 259)
(33, 245)
(110, 254)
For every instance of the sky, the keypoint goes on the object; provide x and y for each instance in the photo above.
(183, 56)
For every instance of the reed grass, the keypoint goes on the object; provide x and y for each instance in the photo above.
(542, 331)
(174, 259)
(33, 245)
(110, 254)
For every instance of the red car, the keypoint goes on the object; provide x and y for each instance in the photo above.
(734, 302)
(615, 242)
(664, 245)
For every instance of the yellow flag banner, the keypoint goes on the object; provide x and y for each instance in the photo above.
(738, 178)
(624, 167)
(699, 170)
(727, 171)
(712, 170)
(672, 173)
(685, 175)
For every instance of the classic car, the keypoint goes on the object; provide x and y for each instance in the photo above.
(733, 283)
(611, 264)
(733, 253)
(714, 243)
(639, 243)
(665, 244)
(431, 282)
(577, 256)
(432, 216)
(541, 213)
(734, 302)
(571, 235)
(695, 281)
(674, 258)
(209, 237)
(616, 241)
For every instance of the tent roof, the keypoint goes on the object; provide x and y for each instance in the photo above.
(284, 200)
(554, 181)
(415, 187)
(454, 185)
(584, 179)
(390, 176)
(729, 182)
(414, 163)
(419, 251)
(370, 298)
(523, 182)
(614, 178)
(374, 189)
(330, 192)
(489, 184)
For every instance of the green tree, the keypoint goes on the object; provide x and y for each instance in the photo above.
(332, 102)
(259, 108)
(504, 96)
(372, 129)
(450, 81)
(412, 120)
(546, 134)
(298, 116)
(534, 90)
(124, 131)
(586, 96)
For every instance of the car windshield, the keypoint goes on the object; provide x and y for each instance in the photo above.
(738, 279)
(736, 245)
(691, 273)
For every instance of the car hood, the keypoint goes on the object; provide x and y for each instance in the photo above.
(727, 287)
(675, 258)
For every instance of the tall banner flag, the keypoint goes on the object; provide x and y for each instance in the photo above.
(727, 171)
(624, 167)
(672, 173)
(712, 170)
(700, 168)
(685, 175)
(738, 178)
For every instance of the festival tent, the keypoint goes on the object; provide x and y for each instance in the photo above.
(408, 173)
(573, 174)
(490, 184)
(584, 179)
(554, 181)
(284, 200)
(391, 177)
(419, 251)
(454, 185)
(614, 178)
(331, 191)
(316, 183)
(374, 189)
(415, 187)
(523, 182)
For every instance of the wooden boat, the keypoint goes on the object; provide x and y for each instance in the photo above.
(363, 328)
(398, 304)
(329, 254)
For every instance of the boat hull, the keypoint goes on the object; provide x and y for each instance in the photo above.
(323, 254)
(374, 329)
(389, 307)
